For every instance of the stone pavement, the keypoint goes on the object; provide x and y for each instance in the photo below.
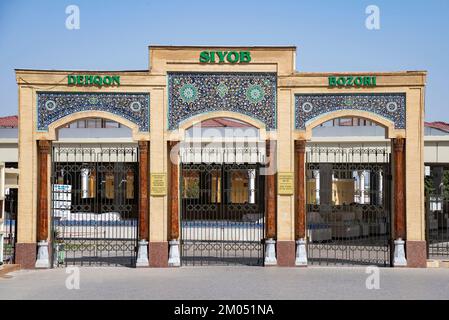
(226, 283)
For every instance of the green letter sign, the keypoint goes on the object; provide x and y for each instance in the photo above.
(352, 81)
(225, 56)
(93, 80)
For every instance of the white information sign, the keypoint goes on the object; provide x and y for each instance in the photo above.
(62, 200)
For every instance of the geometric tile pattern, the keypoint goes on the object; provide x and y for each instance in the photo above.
(391, 106)
(52, 106)
(252, 94)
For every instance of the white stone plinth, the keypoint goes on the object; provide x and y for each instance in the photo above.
(301, 253)
(270, 252)
(142, 254)
(42, 255)
(399, 254)
(173, 256)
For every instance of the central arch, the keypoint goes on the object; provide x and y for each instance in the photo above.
(222, 191)
(183, 126)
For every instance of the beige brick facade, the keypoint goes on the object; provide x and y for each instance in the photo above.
(162, 59)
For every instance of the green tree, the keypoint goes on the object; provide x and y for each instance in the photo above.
(446, 184)
(429, 188)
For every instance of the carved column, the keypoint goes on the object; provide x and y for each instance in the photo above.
(174, 256)
(399, 201)
(142, 253)
(43, 260)
(300, 203)
(270, 243)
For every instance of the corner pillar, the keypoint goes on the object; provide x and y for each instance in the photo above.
(43, 260)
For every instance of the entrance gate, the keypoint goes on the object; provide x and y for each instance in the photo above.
(222, 214)
(10, 226)
(94, 205)
(348, 206)
(437, 225)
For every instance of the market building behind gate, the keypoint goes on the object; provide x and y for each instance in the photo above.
(235, 159)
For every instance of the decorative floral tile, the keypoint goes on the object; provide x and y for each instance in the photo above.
(391, 106)
(252, 94)
(52, 106)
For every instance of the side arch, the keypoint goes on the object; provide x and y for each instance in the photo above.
(51, 134)
(391, 132)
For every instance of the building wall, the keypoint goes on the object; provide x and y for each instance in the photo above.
(436, 151)
(264, 59)
(9, 152)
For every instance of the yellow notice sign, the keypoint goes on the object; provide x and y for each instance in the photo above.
(158, 184)
(285, 183)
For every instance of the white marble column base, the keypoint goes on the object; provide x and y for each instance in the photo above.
(270, 252)
(301, 253)
(142, 254)
(399, 254)
(43, 260)
(174, 259)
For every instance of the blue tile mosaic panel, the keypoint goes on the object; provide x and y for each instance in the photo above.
(252, 94)
(390, 106)
(52, 106)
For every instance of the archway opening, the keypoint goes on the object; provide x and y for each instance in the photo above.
(94, 193)
(222, 140)
(350, 127)
(221, 129)
(348, 193)
(89, 128)
(222, 193)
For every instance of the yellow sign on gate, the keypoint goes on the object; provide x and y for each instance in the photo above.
(285, 183)
(158, 186)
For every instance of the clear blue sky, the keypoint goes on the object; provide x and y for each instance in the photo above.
(330, 36)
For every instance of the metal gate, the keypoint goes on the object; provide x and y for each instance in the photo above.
(94, 205)
(10, 225)
(348, 206)
(437, 225)
(222, 214)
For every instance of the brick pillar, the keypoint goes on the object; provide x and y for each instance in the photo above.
(174, 256)
(399, 201)
(270, 198)
(271, 193)
(42, 209)
(43, 260)
(142, 254)
(143, 190)
(300, 203)
(300, 197)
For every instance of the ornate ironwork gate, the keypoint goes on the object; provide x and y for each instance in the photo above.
(10, 226)
(94, 205)
(437, 225)
(348, 206)
(222, 214)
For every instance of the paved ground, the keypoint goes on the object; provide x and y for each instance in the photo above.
(226, 283)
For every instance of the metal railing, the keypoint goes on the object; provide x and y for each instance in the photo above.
(437, 225)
